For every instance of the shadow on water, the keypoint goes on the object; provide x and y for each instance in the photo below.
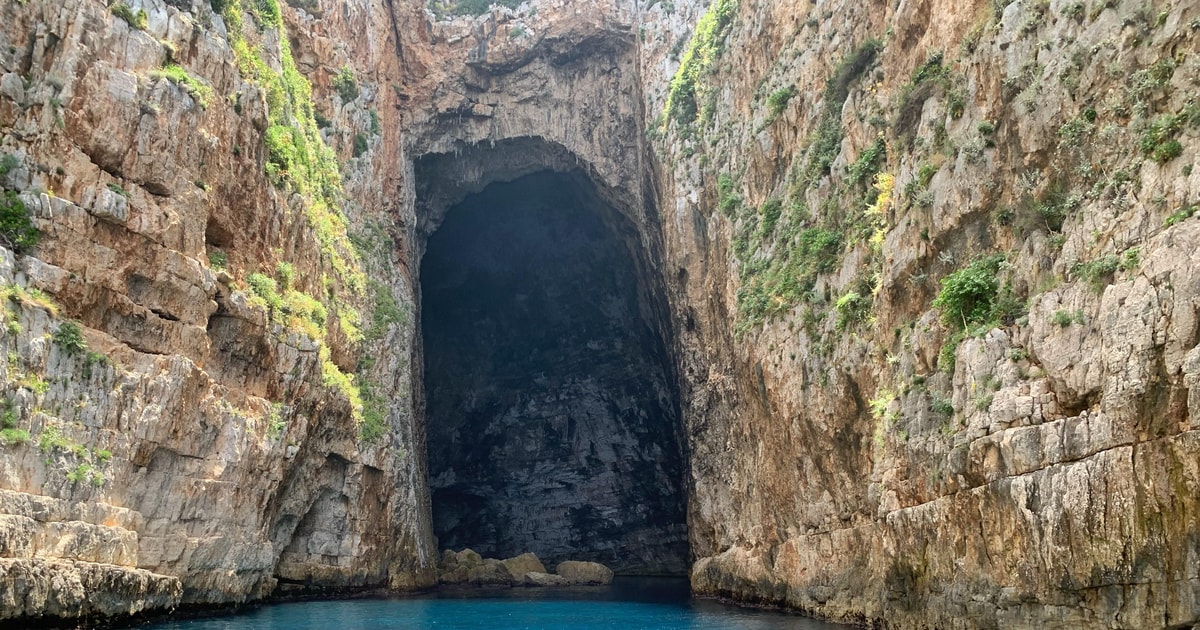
(629, 604)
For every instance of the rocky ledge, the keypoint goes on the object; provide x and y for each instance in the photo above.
(467, 567)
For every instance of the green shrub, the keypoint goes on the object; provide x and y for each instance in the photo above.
(479, 7)
(949, 351)
(769, 215)
(69, 337)
(12, 436)
(16, 228)
(218, 259)
(201, 92)
(852, 308)
(9, 433)
(266, 12)
(867, 165)
(1063, 318)
(309, 309)
(374, 424)
(1184, 212)
(728, 200)
(52, 439)
(276, 423)
(360, 144)
(1158, 140)
(265, 288)
(136, 20)
(117, 188)
(346, 85)
(779, 99)
(1099, 272)
(880, 403)
(8, 163)
(827, 142)
(92, 359)
(286, 272)
(1167, 151)
(707, 45)
(941, 405)
(968, 295)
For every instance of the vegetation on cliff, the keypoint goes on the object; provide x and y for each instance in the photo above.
(299, 159)
(442, 8)
(690, 95)
(16, 229)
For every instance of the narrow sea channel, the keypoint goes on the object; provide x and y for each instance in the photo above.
(629, 604)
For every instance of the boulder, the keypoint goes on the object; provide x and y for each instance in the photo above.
(469, 558)
(524, 563)
(584, 572)
(491, 572)
(535, 578)
(462, 567)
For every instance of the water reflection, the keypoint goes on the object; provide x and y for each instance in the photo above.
(630, 604)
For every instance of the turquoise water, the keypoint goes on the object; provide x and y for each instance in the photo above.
(628, 605)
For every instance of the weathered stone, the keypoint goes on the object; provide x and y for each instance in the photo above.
(491, 572)
(34, 587)
(524, 563)
(535, 578)
(106, 204)
(468, 558)
(577, 572)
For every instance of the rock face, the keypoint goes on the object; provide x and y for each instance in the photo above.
(172, 434)
(854, 452)
(925, 273)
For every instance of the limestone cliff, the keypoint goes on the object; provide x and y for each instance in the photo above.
(944, 380)
(182, 420)
(925, 270)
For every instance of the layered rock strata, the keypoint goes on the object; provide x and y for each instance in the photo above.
(872, 439)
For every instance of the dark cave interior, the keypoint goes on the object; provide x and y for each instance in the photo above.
(551, 412)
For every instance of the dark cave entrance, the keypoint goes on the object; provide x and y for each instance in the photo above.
(552, 416)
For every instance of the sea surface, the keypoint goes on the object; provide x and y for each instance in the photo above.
(629, 604)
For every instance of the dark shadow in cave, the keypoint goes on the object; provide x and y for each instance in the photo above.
(552, 416)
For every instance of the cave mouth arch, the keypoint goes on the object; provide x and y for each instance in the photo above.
(552, 412)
